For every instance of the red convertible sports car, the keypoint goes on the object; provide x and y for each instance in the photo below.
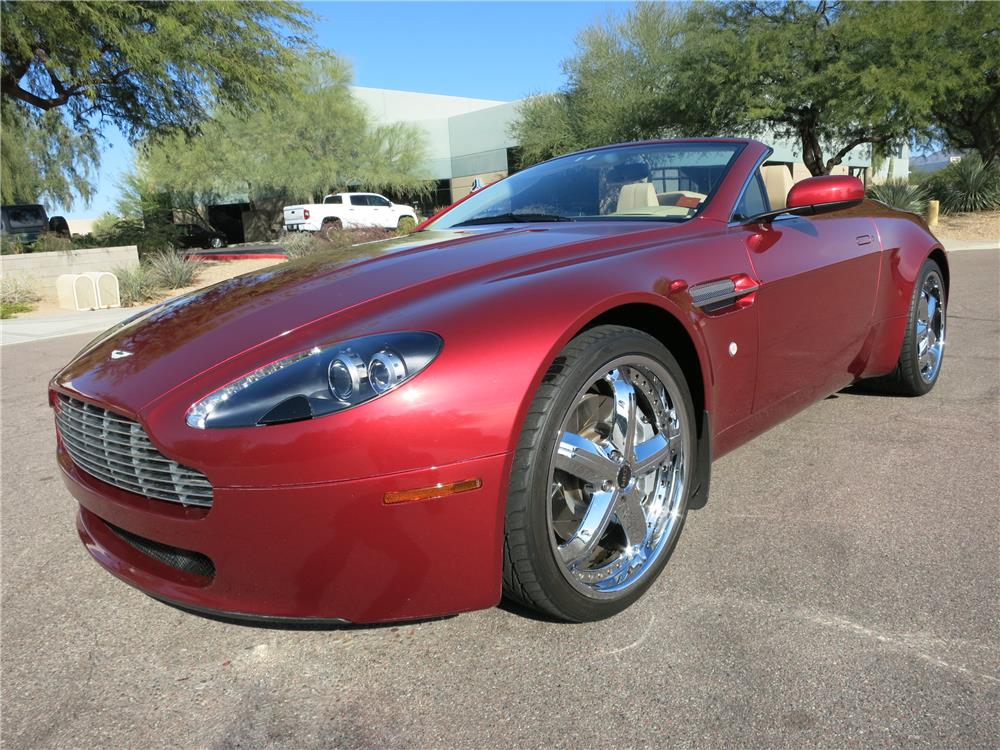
(524, 397)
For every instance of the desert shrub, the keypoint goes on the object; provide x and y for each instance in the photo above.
(900, 194)
(171, 270)
(12, 246)
(17, 289)
(50, 242)
(406, 224)
(967, 185)
(17, 295)
(300, 244)
(136, 284)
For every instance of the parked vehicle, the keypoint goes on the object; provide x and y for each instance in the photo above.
(524, 397)
(349, 211)
(25, 222)
(195, 236)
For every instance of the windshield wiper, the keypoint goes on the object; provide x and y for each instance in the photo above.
(512, 219)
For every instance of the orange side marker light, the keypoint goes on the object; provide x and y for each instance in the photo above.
(429, 493)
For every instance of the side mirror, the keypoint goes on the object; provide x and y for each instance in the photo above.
(829, 191)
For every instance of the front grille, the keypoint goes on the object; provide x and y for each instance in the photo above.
(117, 450)
(182, 559)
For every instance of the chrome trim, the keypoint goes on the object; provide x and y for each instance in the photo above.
(714, 293)
(931, 327)
(118, 451)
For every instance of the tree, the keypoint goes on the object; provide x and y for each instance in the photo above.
(833, 76)
(965, 39)
(43, 157)
(618, 87)
(316, 139)
(67, 70)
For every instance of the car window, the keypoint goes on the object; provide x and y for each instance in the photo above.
(333, 199)
(359, 200)
(20, 217)
(648, 181)
(754, 201)
(378, 200)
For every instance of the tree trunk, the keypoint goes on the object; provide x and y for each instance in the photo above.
(812, 152)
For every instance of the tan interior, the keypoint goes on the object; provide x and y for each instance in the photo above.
(636, 196)
(777, 182)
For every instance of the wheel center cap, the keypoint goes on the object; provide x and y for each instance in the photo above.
(624, 476)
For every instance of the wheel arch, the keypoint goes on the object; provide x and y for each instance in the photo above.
(669, 331)
(938, 255)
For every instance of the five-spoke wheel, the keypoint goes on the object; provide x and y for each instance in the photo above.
(600, 484)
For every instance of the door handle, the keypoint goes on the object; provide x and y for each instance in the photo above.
(864, 239)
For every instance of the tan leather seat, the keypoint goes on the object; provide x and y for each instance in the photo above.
(777, 182)
(636, 196)
(800, 172)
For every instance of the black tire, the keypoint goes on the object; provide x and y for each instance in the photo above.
(907, 379)
(217, 242)
(531, 574)
(329, 226)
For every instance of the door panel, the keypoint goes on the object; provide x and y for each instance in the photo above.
(358, 212)
(819, 279)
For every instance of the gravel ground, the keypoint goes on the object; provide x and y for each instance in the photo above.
(840, 589)
(984, 225)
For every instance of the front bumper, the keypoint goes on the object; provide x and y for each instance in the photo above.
(331, 551)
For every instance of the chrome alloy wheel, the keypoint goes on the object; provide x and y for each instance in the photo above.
(617, 477)
(930, 327)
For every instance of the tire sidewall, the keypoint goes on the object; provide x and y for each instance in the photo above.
(573, 378)
(911, 359)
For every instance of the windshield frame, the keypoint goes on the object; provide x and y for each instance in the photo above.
(738, 146)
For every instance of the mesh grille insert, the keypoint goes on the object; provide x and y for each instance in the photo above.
(181, 559)
(116, 450)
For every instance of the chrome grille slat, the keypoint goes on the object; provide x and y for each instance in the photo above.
(117, 450)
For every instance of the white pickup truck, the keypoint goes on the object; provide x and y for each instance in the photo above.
(348, 211)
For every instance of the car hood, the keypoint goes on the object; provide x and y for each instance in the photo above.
(160, 349)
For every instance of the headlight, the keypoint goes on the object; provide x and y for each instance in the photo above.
(317, 382)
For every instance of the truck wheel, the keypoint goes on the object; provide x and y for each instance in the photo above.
(329, 226)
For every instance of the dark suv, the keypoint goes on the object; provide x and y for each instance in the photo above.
(24, 223)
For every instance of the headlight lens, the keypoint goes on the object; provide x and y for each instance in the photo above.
(319, 381)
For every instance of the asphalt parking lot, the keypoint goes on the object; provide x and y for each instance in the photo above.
(841, 588)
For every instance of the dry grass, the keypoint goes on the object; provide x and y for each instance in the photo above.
(982, 225)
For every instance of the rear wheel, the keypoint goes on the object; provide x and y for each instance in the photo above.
(920, 358)
(601, 477)
(328, 227)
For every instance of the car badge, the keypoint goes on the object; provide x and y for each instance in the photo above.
(120, 354)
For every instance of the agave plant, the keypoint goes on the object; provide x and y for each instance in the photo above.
(969, 185)
(900, 194)
(136, 284)
(172, 270)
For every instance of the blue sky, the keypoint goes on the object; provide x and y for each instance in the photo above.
(488, 50)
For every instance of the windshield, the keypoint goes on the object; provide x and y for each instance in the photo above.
(25, 217)
(649, 182)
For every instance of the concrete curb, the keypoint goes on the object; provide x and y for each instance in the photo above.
(957, 246)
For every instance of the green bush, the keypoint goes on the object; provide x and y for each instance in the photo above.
(900, 194)
(12, 246)
(172, 270)
(50, 243)
(406, 224)
(136, 284)
(300, 244)
(967, 185)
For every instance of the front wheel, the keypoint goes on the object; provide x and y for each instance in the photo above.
(601, 478)
(217, 242)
